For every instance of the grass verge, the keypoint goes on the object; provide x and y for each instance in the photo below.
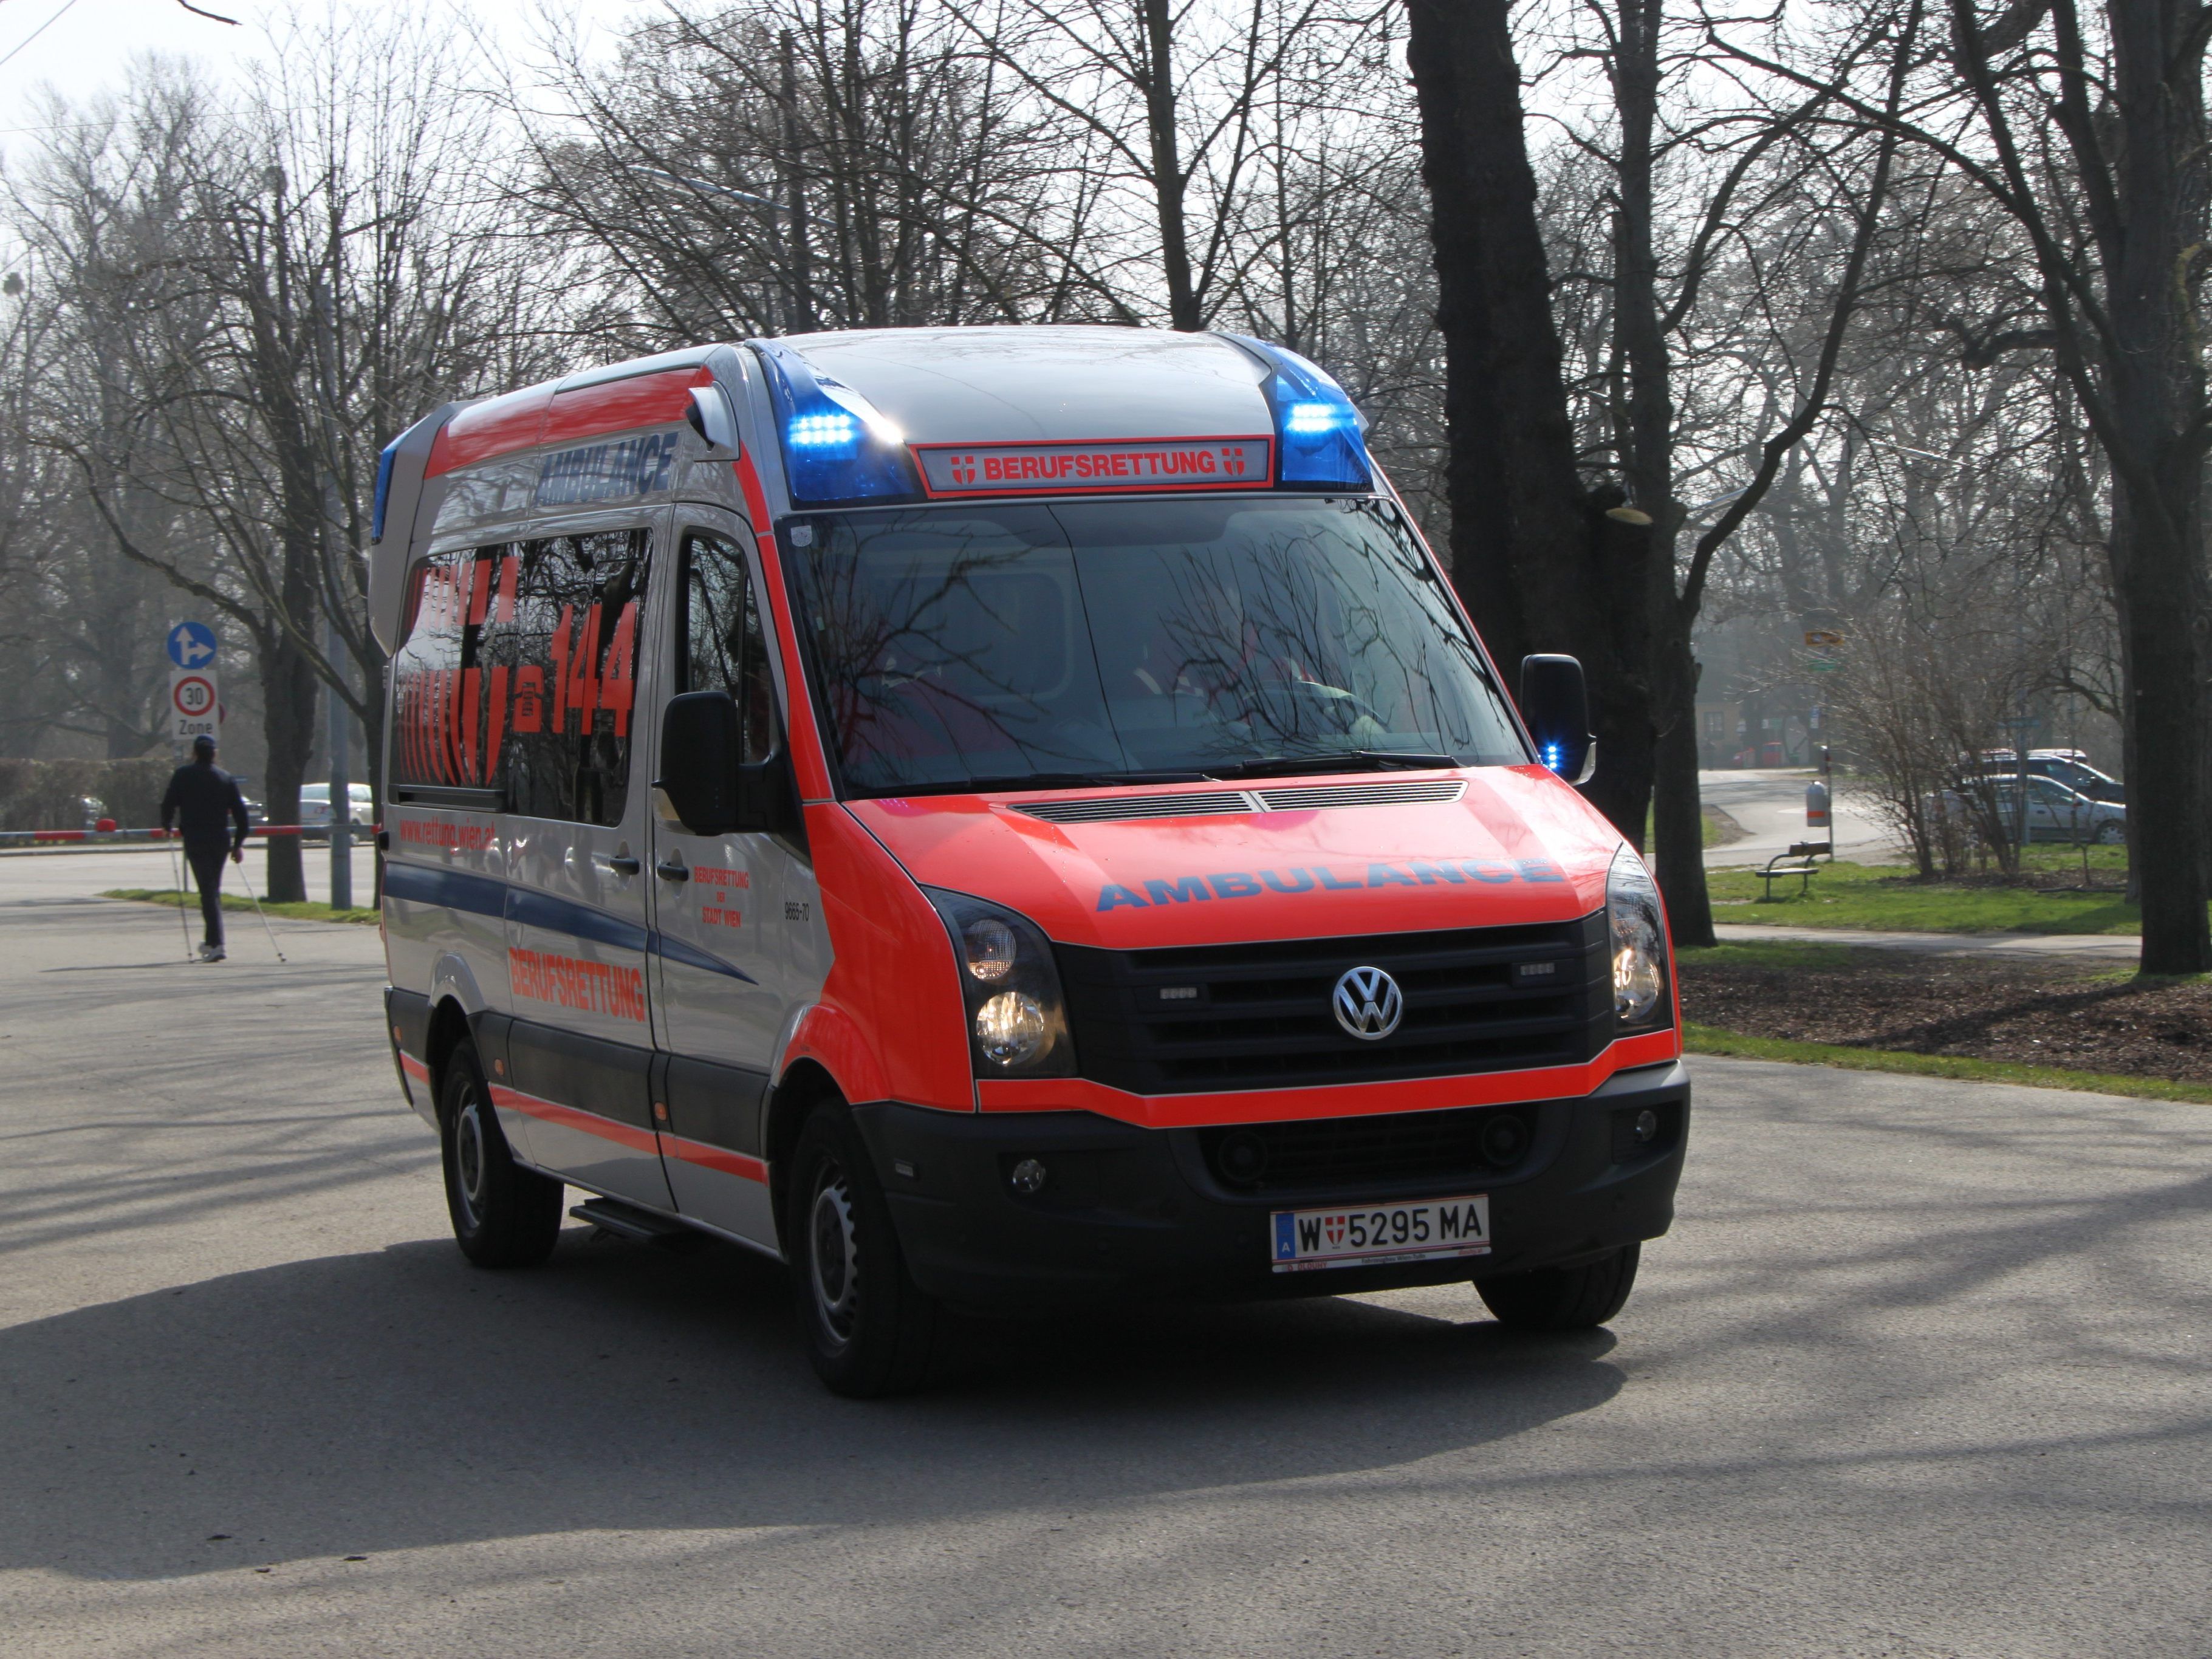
(1885, 897)
(1706, 1040)
(309, 911)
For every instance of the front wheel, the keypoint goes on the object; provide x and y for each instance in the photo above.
(869, 1329)
(504, 1215)
(2111, 833)
(1563, 1299)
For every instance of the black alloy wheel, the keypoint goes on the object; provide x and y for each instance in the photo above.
(1563, 1299)
(869, 1330)
(503, 1215)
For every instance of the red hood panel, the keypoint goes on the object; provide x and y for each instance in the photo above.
(1519, 846)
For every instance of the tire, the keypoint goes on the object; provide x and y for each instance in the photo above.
(2111, 833)
(504, 1215)
(1563, 1299)
(869, 1329)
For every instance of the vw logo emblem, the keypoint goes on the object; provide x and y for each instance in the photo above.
(1368, 1003)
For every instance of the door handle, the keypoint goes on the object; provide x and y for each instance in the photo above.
(623, 865)
(671, 870)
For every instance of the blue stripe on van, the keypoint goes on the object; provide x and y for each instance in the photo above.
(692, 956)
(484, 895)
(453, 889)
(560, 916)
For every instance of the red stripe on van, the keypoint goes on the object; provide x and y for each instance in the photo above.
(494, 426)
(718, 1159)
(567, 1117)
(654, 399)
(1328, 1100)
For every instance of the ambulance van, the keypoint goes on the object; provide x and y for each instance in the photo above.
(993, 818)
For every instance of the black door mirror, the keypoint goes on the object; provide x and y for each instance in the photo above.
(710, 793)
(699, 762)
(1555, 703)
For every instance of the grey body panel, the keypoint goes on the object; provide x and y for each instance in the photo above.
(988, 384)
(742, 945)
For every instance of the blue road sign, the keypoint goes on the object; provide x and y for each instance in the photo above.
(191, 645)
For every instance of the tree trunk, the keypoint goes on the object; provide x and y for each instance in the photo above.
(1168, 184)
(1678, 820)
(2155, 379)
(1532, 555)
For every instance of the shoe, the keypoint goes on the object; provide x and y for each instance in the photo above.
(211, 953)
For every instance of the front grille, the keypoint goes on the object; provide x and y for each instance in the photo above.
(1194, 1019)
(1474, 1144)
(1207, 803)
(1306, 797)
(1107, 809)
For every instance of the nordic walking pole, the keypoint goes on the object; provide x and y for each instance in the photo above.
(177, 869)
(257, 910)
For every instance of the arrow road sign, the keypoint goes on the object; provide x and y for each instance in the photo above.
(191, 645)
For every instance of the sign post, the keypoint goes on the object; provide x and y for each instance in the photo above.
(194, 696)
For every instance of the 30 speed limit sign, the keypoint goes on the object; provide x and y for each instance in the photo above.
(194, 706)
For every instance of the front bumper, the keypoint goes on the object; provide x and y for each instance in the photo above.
(1131, 1211)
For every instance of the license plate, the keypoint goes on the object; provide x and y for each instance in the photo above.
(1426, 1229)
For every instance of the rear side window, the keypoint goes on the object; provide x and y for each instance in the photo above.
(725, 646)
(519, 674)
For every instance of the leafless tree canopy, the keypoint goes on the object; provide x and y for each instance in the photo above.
(1873, 318)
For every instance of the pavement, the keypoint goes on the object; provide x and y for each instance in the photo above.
(2094, 947)
(1920, 1371)
(1770, 804)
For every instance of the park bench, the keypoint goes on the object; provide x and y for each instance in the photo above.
(1800, 861)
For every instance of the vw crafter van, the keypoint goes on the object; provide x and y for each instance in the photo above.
(994, 817)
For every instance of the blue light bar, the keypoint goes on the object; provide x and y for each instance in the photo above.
(837, 447)
(383, 487)
(1320, 438)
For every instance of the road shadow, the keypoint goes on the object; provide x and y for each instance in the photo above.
(400, 1399)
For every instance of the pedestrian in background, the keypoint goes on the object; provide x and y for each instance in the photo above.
(204, 803)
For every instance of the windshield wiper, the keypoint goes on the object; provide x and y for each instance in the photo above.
(1046, 780)
(1351, 760)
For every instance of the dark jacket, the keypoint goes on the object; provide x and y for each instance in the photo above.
(201, 797)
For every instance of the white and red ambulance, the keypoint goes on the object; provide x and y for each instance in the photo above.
(993, 817)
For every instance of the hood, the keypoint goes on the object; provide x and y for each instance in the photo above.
(1518, 846)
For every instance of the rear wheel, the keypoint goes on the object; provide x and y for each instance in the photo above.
(504, 1215)
(1563, 1299)
(869, 1329)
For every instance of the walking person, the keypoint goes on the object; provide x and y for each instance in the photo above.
(205, 802)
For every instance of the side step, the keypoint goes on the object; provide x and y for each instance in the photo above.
(612, 1216)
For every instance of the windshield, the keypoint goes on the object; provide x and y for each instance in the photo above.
(962, 647)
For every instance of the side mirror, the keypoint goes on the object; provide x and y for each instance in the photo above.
(699, 762)
(1555, 704)
(709, 414)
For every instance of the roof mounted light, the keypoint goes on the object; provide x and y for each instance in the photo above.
(837, 447)
(1320, 438)
(383, 487)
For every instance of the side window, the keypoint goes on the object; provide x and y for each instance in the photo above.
(437, 677)
(564, 620)
(724, 645)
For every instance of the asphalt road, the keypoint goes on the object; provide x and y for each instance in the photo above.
(1921, 1371)
(1771, 806)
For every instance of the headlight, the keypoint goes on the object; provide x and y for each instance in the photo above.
(1637, 933)
(1010, 986)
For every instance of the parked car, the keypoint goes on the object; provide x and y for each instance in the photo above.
(2068, 766)
(2054, 811)
(315, 805)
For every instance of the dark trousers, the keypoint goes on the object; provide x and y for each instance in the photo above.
(207, 876)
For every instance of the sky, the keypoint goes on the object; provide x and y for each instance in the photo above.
(78, 48)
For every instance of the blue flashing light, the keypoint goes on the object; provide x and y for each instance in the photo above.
(837, 447)
(383, 487)
(1555, 757)
(1320, 438)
